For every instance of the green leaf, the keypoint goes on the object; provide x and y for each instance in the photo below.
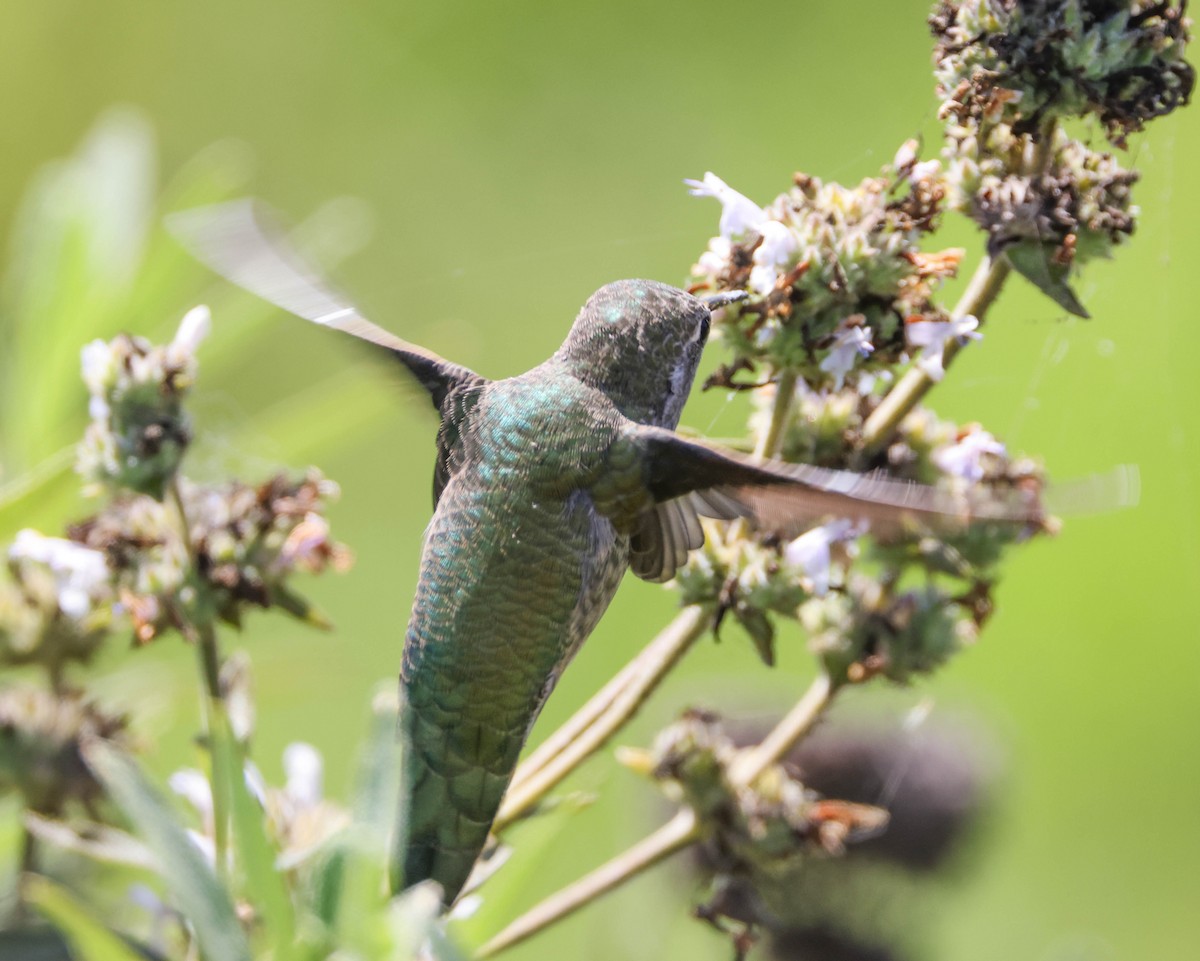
(90, 939)
(200, 896)
(263, 885)
(350, 886)
(77, 242)
(1035, 261)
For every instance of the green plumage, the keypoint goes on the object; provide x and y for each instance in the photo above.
(517, 569)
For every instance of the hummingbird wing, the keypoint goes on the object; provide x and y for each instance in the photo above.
(689, 479)
(244, 242)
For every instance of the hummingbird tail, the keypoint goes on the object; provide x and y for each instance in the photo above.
(455, 777)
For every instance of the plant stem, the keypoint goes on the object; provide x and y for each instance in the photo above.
(673, 836)
(785, 389)
(620, 702)
(212, 699)
(28, 866)
(579, 722)
(791, 728)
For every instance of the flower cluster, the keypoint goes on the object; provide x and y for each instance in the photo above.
(1046, 217)
(846, 589)
(56, 607)
(41, 733)
(139, 430)
(297, 814)
(1008, 73)
(932, 777)
(245, 543)
(833, 272)
(761, 827)
(1027, 62)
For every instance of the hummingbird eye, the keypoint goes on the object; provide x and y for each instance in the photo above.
(701, 331)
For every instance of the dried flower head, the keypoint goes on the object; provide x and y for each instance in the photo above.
(1075, 209)
(1026, 62)
(56, 609)
(40, 737)
(247, 541)
(933, 780)
(765, 827)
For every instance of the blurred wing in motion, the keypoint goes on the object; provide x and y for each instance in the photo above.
(243, 242)
(1112, 490)
(688, 478)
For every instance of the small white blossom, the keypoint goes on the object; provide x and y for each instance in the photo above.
(739, 214)
(811, 551)
(81, 575)
(779, 245)
(906, 156)
(304, 768)
(932, 335)
(963, 459)
(716, 258)
(849, 344)
(194, 327)
(925, 171)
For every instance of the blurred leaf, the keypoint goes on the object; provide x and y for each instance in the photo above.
(98, 841)
(90, 939)
(1035, 261)
(75, 248)
(263, 885)
(351, 886)
(201, 898)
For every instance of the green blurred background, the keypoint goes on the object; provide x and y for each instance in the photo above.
(515, 156)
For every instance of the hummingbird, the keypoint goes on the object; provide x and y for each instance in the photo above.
(547, 487)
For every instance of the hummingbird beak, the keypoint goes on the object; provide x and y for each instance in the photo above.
(723, 299)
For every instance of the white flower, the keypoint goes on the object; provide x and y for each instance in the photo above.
(194, 327)
(100, 368)
(739, 214)
(779, 245)
(906, 156)
(716, 258)
(847, 345)
(304, 769)
(925, 171)
(932, 335)
(81, 575)
(962, 459)
(811, 551)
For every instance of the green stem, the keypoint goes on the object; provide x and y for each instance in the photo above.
(28, 866)
(208, 655)
(788, 732)
(673, 836)
(592, 727)
(785, 389)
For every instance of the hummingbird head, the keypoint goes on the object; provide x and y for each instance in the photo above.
(639, 342)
